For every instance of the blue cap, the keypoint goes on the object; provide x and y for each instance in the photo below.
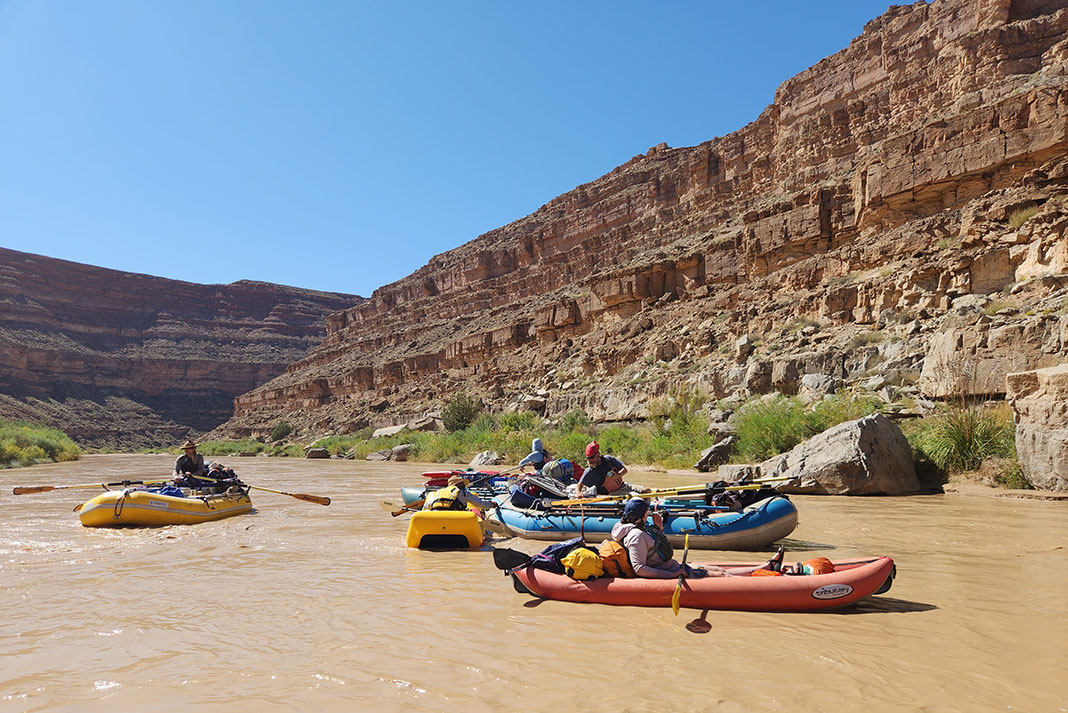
(635, 509)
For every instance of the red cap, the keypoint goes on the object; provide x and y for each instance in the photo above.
(593, 449)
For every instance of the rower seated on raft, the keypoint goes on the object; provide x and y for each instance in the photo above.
(190, 466)
(650, 553)
(604, 476)
(454, 496)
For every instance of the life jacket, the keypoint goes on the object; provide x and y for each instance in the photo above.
(448, 498)
(583, 563)
(661, 546)
(616, 559)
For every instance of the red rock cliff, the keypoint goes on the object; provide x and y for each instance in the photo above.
(123, 359)
(863, 161)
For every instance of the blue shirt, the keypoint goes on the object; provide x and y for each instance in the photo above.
(595, 475)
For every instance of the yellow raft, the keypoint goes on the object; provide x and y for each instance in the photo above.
(444, 529)
(144, 508)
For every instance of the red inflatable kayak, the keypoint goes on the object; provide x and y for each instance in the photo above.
(852, 581)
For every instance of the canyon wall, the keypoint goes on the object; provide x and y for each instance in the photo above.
(126, 360)
(881, 186)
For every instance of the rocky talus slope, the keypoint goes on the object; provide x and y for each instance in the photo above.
(896, 219)
(126, 360)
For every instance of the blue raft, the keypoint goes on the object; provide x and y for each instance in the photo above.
(751, 528)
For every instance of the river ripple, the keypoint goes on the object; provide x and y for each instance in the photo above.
(296, 607)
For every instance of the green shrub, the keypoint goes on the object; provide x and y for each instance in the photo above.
(519, 421)
(963, 437)
(460, 412)
(574, 421)
(225, 448)
(767, 428)
(27, 443)
(281, 430)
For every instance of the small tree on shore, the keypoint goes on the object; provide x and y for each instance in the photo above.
(460, 412)
(281, 430)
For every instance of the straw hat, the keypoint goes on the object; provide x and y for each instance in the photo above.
(188, 444)
(457, 480)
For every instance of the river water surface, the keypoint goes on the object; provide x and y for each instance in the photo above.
(302, 607)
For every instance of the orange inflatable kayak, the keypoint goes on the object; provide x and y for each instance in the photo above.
(851, 581)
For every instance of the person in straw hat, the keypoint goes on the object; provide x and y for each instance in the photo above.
(190, 463)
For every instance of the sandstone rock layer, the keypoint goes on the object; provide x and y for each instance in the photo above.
(1040, 401)
(881, 185)
(130, 360)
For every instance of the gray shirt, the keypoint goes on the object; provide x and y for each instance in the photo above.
(643, 557)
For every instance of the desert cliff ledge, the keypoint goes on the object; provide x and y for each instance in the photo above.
(878, 190)
(126, 360)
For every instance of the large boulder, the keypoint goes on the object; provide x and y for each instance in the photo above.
(316, 453)
(386, 431)
(383, 454)
(485, 458)
(716, 454)
(869, 456)
(401, 452)
(1039, 400)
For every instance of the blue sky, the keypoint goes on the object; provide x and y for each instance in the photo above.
(338, 145)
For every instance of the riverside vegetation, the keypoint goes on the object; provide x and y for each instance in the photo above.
(23, 444)
(954, 439)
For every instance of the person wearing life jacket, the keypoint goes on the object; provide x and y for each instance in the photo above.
(454, 496)
(651, 555)
(605, 473)
(537, 457)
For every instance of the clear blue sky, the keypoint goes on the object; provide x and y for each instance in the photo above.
(338, 145)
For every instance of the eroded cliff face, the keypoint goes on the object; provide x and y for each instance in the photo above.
(878, 189)
(126, 360)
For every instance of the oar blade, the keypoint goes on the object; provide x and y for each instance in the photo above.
(676, 597)
(320, 499)
(26, 490)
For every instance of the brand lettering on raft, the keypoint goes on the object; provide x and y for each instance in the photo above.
(832, 591)
(157, 504)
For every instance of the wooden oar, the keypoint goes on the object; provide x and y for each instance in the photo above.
(686, 490)
(393, 510)
(678, 586)
(318, 499)
(26, 490)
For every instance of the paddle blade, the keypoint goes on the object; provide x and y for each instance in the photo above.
(321, 500)
(676, 597)
(33, 489)
(506, 559)
(77, 508)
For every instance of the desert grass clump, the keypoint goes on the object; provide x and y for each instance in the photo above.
(1021, 216)
(962, 437)
(24, 444)
(768, 427)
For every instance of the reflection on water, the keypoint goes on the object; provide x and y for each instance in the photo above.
(298, 606)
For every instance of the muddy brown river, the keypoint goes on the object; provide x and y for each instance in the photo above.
(302, 607)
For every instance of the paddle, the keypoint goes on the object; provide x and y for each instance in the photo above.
(685, 490)
(318, 499)
(678, 586)
(26, 490)
(410, 507)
